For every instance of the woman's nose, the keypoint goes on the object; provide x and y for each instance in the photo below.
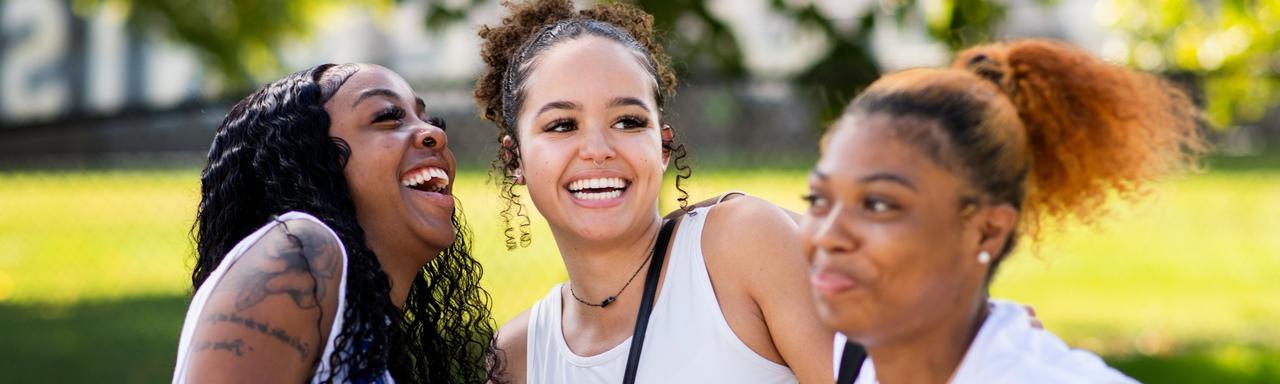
(828, 234)
(431, 137)
(596, 147)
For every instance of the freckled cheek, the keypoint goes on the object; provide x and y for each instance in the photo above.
(645, 155)
(542, 166)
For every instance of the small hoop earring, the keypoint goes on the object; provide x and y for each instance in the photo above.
(517, 177)
(984, 257)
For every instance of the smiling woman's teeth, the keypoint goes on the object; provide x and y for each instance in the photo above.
(598, 188)
(427, 179)
(597, 195)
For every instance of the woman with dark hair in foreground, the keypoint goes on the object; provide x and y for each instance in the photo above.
(329, 247)
(578, 97)
(927, 179)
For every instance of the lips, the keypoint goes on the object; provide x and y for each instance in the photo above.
(830, 283)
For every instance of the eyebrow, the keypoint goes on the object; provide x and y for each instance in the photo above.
(625, 101)
(558, 105)
(373, 93)
(882, 177)
(889, 177)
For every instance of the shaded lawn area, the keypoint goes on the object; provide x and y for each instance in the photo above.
(131, 340)
(134, 340)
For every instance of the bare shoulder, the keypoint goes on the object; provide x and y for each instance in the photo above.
(269, 315)
(745, 222)
(751, 242)
(513, 347)
(757, 245)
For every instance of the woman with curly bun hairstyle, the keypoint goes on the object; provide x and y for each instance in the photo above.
(926, 182)
(578, 98)
(329, 246)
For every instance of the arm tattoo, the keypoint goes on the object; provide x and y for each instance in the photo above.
(232, 346)
(295, 269)
(277, 333)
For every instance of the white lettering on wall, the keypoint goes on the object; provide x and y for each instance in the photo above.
(106, 56)
(31, 89)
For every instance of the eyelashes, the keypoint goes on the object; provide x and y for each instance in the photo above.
(627, 122)
(436, 121)
(560, 125)
(395, 113)
(817, 203)
(390, 113)
(631, 122)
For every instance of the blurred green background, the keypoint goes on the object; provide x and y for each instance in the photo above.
(1180, 288)
(107, 105)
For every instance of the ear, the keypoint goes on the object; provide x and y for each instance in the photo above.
(510, 150)
(996, 225)
(668, 137)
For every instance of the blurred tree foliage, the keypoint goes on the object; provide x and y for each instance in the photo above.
(236, 36)
(706, 45)
(1231, 46)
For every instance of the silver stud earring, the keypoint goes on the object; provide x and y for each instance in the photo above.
(984, 257)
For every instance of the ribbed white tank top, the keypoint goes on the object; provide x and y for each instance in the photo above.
(202, 296)
(688, 339)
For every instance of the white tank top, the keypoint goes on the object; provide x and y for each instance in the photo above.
(202, 295)
(688, 339)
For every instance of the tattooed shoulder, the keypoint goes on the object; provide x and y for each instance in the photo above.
(297, 258)
(274, 307)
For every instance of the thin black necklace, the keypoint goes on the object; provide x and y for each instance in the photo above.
(614, 297)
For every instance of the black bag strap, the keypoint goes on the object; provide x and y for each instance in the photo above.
(850, 363)
(646, 302)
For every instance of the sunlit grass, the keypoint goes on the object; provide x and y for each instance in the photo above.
(1191, 273)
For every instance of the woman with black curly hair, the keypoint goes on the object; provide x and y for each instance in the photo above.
(329, 247)
(578, 98)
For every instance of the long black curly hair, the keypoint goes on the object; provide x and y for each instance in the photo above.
(273, 154)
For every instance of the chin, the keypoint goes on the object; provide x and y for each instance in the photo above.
(599, 226)
(438, 235)
(846, 320)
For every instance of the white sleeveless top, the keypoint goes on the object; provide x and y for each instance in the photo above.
(688, 339)
(1009, 349)
(206, 289)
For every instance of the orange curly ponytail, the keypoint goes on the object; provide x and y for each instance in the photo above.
(1092, 128)
(1044, 126)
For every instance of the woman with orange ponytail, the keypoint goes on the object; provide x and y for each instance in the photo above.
(931, 175)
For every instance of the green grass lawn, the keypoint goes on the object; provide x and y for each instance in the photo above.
(1182, 287)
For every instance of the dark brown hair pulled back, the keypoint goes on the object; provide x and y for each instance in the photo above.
(509, 51)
